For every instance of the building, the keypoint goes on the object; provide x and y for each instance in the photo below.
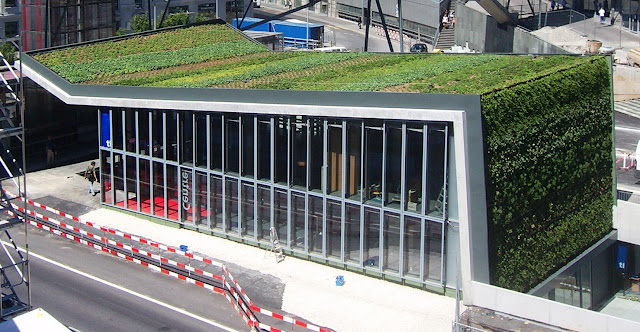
(417, 171)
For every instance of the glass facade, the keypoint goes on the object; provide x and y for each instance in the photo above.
(364, 193)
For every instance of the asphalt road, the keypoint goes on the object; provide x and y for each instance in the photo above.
(93, 291)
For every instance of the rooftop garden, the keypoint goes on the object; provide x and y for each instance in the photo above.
(216, 56)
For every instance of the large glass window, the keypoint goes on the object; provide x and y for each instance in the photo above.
(371, 237)
(247, 145)
(393, 162)
(201, 139)
(264, 149)
(334, 159)
(159, 202)
(130, 129)
(200, 210)
(185, 200)
(373, 163)
(105, 178)
(215, 202)
(299, 153)
(143, 132)
(354, 151)
(281, 150)
(231, 205)
(411, 251)
(436, 162)
(333, 235)
(314, 229)
(248, 221)
(280, 215)
(145, 185)
(131, 184)
(391, 240)
(297, 220)
(118, 179)
(232, 144)
(264, 212)
(171, 128)
(216, 142)
(157, 132)
(433, 251)
(413, 168)
(116, 125)
(173, 205)
(316, 134)
(352, 233)
(186, 138)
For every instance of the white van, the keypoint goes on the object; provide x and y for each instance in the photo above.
(331, 49)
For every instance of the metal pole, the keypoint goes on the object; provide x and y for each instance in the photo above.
(307, 26)
(400, 26)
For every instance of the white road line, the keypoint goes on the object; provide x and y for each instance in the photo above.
(621, 128)
(128, 291)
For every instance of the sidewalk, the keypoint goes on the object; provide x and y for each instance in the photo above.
(295, 286)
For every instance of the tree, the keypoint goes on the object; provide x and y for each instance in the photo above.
(179, 18)
(8, 51)
(140, 23)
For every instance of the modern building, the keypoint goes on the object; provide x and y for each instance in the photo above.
(419, 169)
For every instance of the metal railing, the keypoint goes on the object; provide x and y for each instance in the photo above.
(459, 327)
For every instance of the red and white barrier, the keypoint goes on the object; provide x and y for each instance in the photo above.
(239, 305)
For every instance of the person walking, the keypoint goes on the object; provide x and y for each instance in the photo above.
(601, 12)
(90, 174)
(50, 147)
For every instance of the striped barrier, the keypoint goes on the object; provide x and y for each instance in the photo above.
(247, 311)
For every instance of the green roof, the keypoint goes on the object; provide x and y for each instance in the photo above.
(218, 56)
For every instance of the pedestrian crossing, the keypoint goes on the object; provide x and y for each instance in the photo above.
(628, 107)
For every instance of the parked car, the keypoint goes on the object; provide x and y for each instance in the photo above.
(419, 48)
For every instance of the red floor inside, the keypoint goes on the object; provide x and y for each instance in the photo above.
(158, 208)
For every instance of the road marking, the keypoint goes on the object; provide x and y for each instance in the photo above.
(621, 128)
(144, 297)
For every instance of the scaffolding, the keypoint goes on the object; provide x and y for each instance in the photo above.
(14, 264)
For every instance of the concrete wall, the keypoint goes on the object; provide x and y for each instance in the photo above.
(625, 220)
(525, 42)
(547, 311)
(626, 82)
(479, 31)
(423, 12)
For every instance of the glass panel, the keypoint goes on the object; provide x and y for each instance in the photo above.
(200, 212)
(264, 149)
(354, 141)
(145, 186)
(186, 138)
(391, 242)
(248, 221)
(413, 169)
(157, 125)
(411, 252)
(297, 220)
(159, 203)
(585, 284)
(393, 166)
(264, 213)
(316, 134)
(314, 230)
(333, 236)
(172, 192)
(216, 142)
(299, 154)
(118, 178)
(247, 146)
(433, 251)
(216, 202)
(373, 166)
(130, 129)
(435, 170)
(132, 177)
(352, 233)
(106, 192)
(201, 140)
(334, 159)
(172, 135)
(186, 195)
(231, 205)
(281, 150)
(116, 124)
(371, 237)
(280, 215)
(143, 132)
(232, 144)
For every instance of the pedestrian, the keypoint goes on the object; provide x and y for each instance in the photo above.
(290, 4)
(90, 174)
(563, 3)
(359, 22)
(553, 5)
(601, 12)
(50, 148)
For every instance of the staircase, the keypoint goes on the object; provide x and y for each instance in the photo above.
(446, 38)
